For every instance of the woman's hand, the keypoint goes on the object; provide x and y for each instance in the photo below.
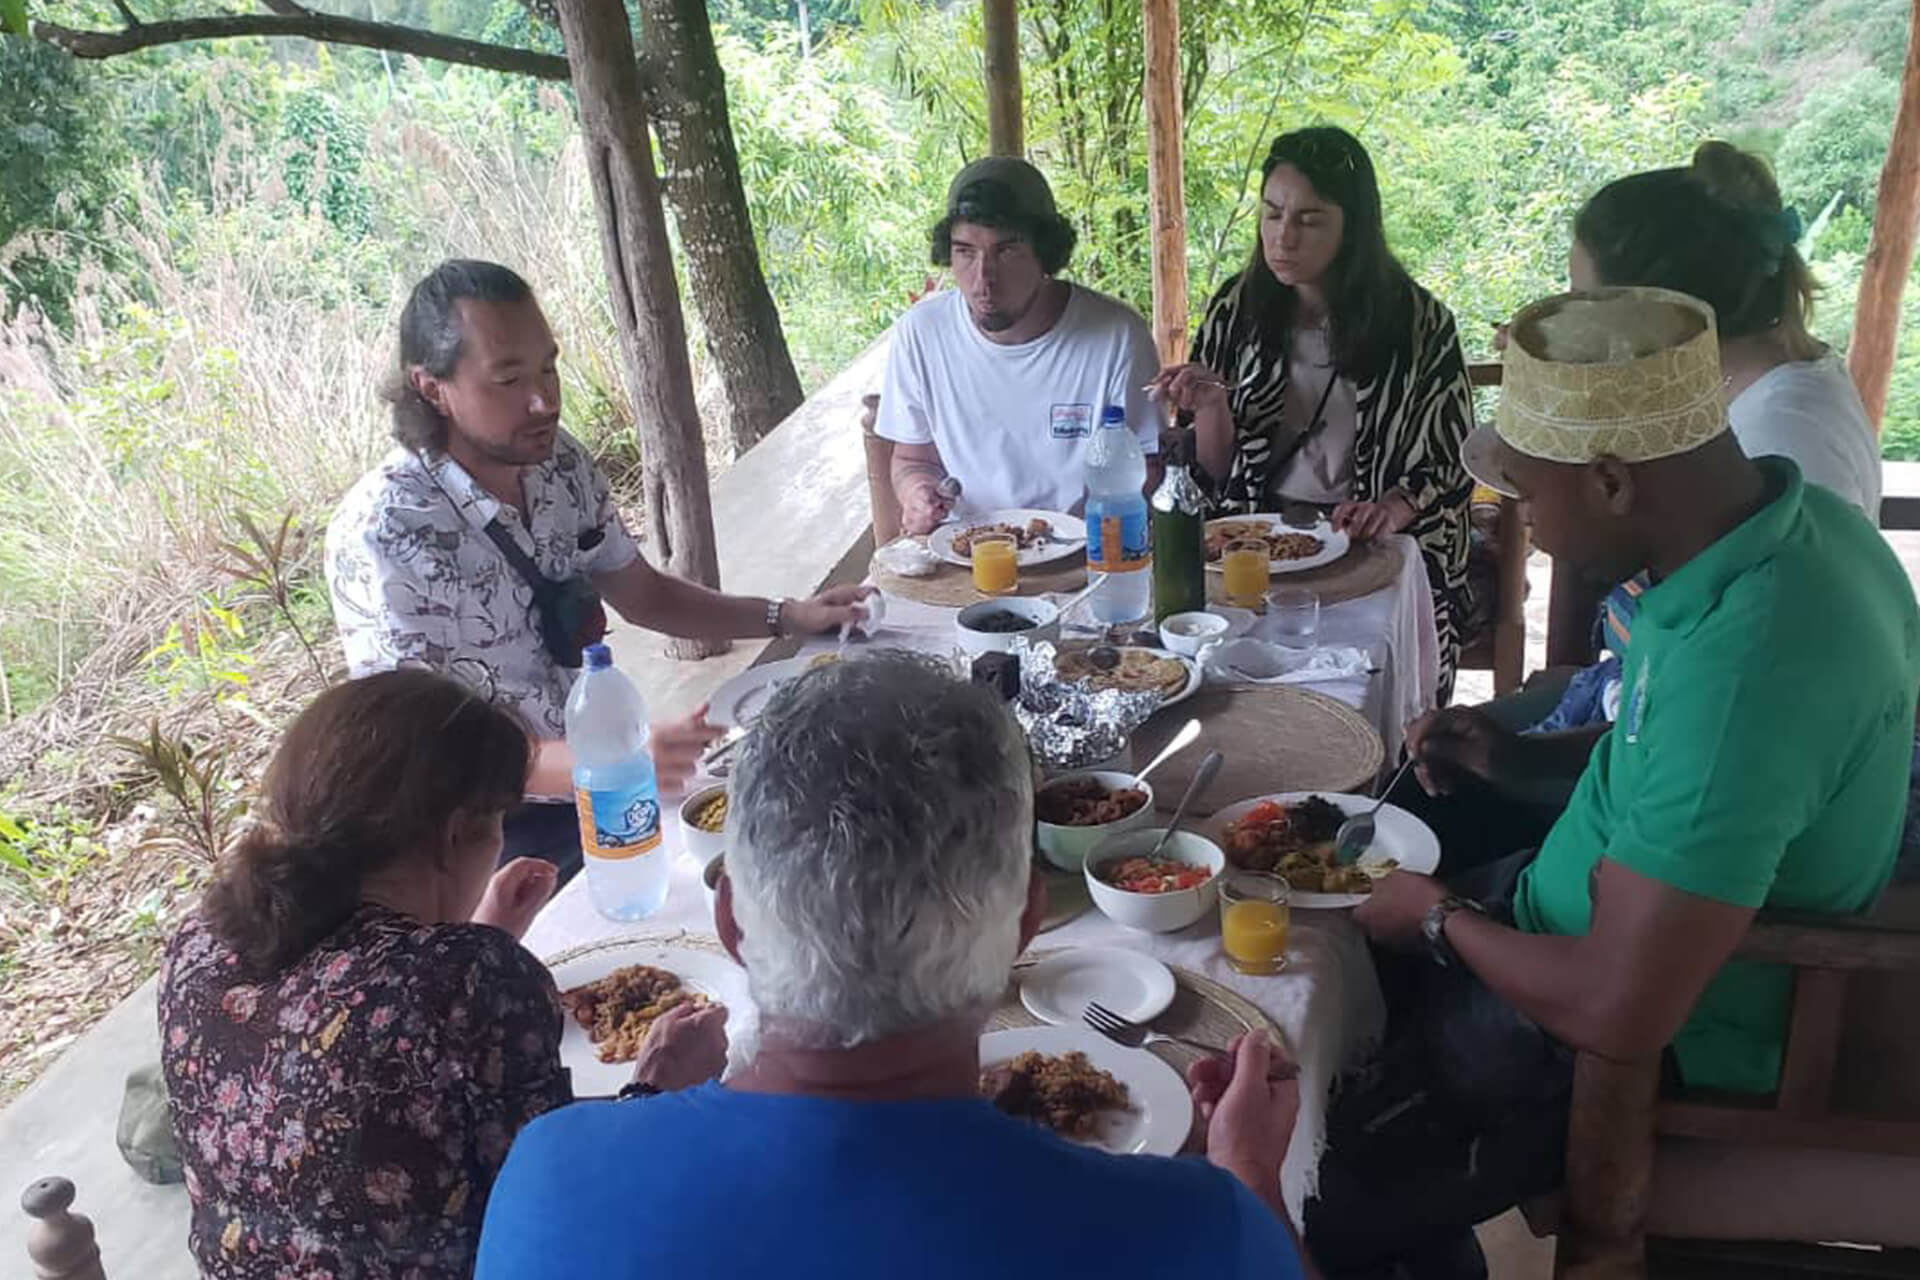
(1365, 521)
(684, 1047)
(676, 747)
(515, 895)
(1192, 387)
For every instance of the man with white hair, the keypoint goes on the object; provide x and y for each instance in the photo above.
(878, 888)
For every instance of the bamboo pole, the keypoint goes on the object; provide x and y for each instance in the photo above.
(1006, 130)
(1166, 178)
(1896, 218)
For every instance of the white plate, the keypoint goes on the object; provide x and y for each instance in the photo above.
(1397, 834)
(711, 973)
(1187, 690)
(1333, 544)
(1059, 988)
(740, 700)
(1072, 528)
(1159, 1110)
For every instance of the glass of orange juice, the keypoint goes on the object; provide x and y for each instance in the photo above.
(1253, 921)
(996, 564)
(1243, 572)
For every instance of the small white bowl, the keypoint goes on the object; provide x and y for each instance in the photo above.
(1156, 912)
(1044, 615)
(710, 879)
(1067, 847)
(1187, 633)
(702, 846)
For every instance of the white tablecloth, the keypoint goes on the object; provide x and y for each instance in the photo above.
(1327, 1003)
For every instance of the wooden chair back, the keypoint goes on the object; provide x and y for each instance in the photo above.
(886, 509)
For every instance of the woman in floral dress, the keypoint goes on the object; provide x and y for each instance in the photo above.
(351, 1032)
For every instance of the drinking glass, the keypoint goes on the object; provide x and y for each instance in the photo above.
(1254, 916)
(1243, 572)
(1295, 612)
(996, 564)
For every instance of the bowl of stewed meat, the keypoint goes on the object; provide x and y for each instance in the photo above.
(1076, 811)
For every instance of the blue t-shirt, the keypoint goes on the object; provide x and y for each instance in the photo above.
(717, 1183)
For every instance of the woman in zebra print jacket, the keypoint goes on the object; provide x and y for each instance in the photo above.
(1323, 374)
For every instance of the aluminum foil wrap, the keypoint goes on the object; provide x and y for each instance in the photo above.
(1070, 725)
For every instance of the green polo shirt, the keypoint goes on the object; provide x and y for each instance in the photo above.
(1760, 756)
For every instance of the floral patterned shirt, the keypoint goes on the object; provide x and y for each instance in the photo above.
(417, 582)
(345, 1121)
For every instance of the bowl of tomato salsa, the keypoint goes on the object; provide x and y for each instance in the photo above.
(1158, 893)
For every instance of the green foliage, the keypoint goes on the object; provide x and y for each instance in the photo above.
(324, 149)
(195, 780)
(1838, 141)
(39, 857)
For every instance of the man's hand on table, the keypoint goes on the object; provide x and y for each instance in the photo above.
(1393, 912)
(826, 611)
(1459, 744)
(515, 895)
(676, 747)
(1249, 1116)
(684, 1047)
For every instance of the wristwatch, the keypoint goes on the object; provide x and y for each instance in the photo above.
(776, 626)
(1433, 927)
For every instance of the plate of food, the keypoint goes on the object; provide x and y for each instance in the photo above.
(613, 990)
(1087, 1089)
(1138, 669)
(1293, 834)
(1289, 550)
(1042, 536)
(742, 698)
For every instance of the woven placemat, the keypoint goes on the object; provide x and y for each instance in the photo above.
(1277, 738)
(1202, 1010)
(1366, 568)
(1067, 896)
(952, 587)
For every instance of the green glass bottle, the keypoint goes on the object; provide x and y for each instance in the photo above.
(1178, 511)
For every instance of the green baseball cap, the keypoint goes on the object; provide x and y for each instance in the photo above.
(1032, 197)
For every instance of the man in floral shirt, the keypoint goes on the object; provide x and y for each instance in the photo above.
(431, 557)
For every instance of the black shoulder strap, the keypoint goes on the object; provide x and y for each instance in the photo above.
(522, 562)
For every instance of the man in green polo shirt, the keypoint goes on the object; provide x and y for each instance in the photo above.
(1760, 758)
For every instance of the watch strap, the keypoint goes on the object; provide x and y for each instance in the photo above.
(1433, 927)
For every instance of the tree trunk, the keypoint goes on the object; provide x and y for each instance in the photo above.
(645, 295)
(1876, 315)
(1166, 179)
(742, 325)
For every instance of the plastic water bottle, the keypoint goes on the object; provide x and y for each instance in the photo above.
(615, 792)
(1118, 541)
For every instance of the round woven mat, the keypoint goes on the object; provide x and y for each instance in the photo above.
(952, 587)
(1276, 738)
(1067, 896)
(1202, 1010)
(1366, 568)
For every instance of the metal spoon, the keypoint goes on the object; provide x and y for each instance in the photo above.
(1356, 833)
(1202, 779)
(1188, 732)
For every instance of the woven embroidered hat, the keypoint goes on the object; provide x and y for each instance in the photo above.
(1630, 373)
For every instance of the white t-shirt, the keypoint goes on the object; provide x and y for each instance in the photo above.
(1810, 411)
(1012, 422)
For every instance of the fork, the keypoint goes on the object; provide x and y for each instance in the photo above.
(1134, 1035)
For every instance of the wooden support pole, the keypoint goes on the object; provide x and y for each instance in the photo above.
(1896, 218)
(1006, 129)
(1166, 178)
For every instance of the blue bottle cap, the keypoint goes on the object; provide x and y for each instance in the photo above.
(598, 657)
(1113, 413)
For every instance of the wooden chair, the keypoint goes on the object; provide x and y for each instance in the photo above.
(886, 509)
(60, 1243)
(1703, 1187)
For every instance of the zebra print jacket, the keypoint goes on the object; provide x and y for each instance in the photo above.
(1411, 419)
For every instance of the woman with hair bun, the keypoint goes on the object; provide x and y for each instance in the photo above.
(1717, 229)
(350, 1030)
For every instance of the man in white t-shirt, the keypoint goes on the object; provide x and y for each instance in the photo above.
(1000, 382)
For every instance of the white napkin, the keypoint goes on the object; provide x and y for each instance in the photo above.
(907, 557)
(1260, 662)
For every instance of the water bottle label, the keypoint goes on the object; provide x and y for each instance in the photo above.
(618, 824)
(1118, 543)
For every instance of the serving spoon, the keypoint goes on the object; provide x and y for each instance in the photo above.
(1202, 779)
(1188, 732)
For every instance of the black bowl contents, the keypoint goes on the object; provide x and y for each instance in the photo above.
(1000, 622)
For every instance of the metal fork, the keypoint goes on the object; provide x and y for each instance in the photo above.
(1134, 1035)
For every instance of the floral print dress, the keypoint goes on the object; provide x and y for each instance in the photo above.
(345, 1120)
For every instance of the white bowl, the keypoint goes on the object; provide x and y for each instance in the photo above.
(1067, 847)
(1044, 615)
(702, 846)
(710, 879)
(1156, 912)
(1187, 633)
